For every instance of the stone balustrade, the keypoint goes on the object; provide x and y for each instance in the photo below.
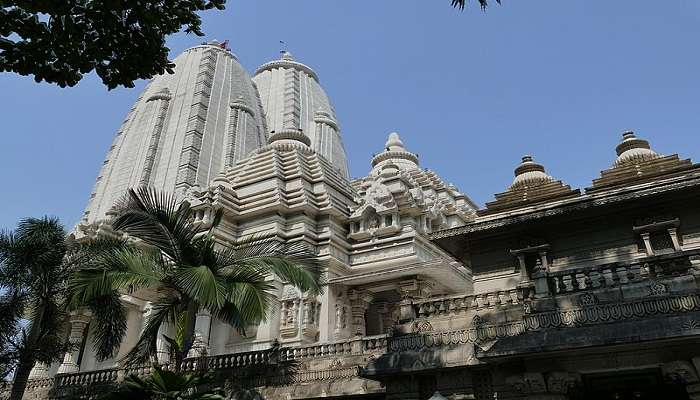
(357, 345)
(353, 346)
(87, 378)
(615, 275)
(454, 304)
(570, 281)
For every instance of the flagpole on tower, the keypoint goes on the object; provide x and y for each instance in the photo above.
(284, 47)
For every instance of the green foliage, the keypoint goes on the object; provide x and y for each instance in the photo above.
(461, 3)
(59, 41)
(166, 385)
(181, 269)
(32, 282)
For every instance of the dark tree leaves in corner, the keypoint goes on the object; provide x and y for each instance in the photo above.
(60, 41)
(123, 41)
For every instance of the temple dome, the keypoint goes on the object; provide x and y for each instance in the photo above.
(633, 149)
(293, 100)
(184, 129)
(529, 173)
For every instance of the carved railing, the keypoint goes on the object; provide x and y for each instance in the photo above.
(87, 378)
(615, 275)
(353, 346)
(570, 281)
(454, 304)
(357, 345)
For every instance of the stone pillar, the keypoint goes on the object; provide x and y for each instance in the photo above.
(162, 346)
(78, 322)
(646, 237)
(269, 329)
(523, 268)
(673, 232)
(202, 328)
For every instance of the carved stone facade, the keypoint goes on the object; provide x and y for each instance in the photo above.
(546, 293)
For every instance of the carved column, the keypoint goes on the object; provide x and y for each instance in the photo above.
(78, 322)
(359, 302)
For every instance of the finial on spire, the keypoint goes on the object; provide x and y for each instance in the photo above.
(633, 149)
(394, 143)
(395, 151)
(529, 173)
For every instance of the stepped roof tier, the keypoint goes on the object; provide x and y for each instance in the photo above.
(531, 186)
(637, 163)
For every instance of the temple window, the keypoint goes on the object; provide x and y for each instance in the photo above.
(659, 235)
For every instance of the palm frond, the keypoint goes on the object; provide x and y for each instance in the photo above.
(128, 269)
(155, 218)
(295, 263)
(92, 252)
(201, 284)
(461, 3)
(108, 324)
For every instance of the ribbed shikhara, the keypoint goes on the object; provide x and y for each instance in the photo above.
(183, 130)
(189, 157)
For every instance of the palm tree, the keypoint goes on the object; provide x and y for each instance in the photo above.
(461, 3)
(182, 269)
(32, 279)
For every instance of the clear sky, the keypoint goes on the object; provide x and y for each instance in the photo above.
(471, 92)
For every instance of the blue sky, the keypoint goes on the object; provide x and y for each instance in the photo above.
(470, 92)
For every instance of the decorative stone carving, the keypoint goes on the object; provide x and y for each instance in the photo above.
(289, 318)
(539, 383)
(679, 372)
(311, 311)
(690, 325)
(587, 299)
(422, 326)
(657, 288)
